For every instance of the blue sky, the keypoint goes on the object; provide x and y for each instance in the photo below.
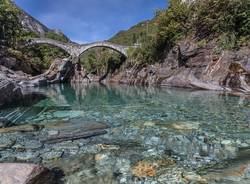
(91, 20)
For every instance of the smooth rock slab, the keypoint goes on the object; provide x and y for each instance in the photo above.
(24, 174)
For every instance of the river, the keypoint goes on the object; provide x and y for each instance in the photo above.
(154, 135)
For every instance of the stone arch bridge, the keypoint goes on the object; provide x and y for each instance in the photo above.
(75, 50)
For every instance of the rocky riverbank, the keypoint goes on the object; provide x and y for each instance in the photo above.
(14, 85)
(147, 151)
(190, 65)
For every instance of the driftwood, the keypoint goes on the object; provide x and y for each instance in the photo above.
(73, 136)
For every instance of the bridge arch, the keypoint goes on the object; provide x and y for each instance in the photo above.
(70, 48)
(118, 48)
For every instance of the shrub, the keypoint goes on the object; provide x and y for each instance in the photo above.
(216, 17)
(55, 36)
(10, 27)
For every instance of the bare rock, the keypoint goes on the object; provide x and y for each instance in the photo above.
(60, 71)
(24, 174)
(192, 66)
(9, 90)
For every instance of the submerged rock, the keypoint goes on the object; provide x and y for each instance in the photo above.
(150, 168)
(184, 126)
(239, 173)
(6, 142)
(21, 128)
(4, 122)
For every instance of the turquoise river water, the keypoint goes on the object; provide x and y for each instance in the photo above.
(195, 129)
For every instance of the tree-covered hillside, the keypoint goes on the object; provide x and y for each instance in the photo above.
(136, 34)
(224, 22)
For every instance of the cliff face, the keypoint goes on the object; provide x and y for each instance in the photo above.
(31, 24)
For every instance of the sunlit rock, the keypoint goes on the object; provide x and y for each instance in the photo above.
(24, 174)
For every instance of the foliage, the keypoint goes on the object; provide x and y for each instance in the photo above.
(215, 17)
(10, 27)
(136, 34)
(12, 35)
(44, 54)
(144, 54)
(97, 60)
(227, 22)
(54, 36)
(173, 23)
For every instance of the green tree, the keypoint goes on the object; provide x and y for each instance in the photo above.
(214, 17)
(173, 23)
(10, 27)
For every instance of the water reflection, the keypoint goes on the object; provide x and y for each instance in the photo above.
(150, 103)
(119, 104)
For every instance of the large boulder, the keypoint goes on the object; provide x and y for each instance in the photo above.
(24, 174)
(9, 90)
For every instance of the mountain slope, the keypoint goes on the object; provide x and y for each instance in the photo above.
(135, 34)
(31, 24)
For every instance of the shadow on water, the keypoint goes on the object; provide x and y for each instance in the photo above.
(26, 101)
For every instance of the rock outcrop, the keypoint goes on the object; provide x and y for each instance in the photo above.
(60, 71)
(191, 66)
(12, 83)
(9, 90)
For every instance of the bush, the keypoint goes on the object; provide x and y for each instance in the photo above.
(173, 23)
(97, 60)
(54, 36)
(228, 21)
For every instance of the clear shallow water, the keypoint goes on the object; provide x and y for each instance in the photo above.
(197, 129)
(116, 105)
